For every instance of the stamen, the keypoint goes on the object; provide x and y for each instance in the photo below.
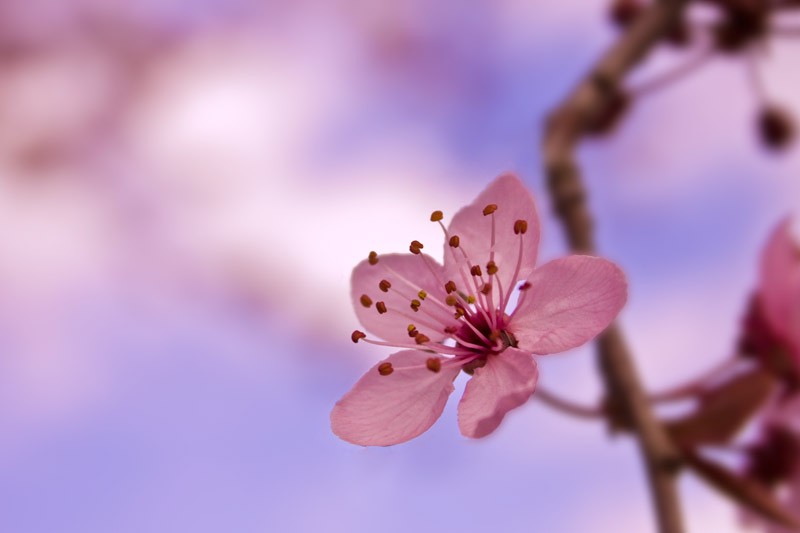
(504, 301)
(451, 300)
(489, 209)
(450, 330)
(366, 301)
(373, 258)
(421, 338)
(475, 270)
(454, 241)
(486, 289)
(520, 226)
(384, 285)
(381, 307)
(413, 332)
(470, 299)
(434, 364)
(415, 305)
(436, 216)
(415, 247)
(357, 335)
(525, 286)
(491, 268)
(422, 294)
(450, 286)
(384, 369)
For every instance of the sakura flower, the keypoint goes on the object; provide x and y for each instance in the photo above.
(772, 325)
(459, 317)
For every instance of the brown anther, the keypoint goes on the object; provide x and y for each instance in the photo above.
(459, 313)
(520, 226)
(450, 330)
(489, 209)
(475, 270)
(366, 301)
(455, 241)
(450, 286)
(436, 216)
(776, 127)
(413, 333)
(373, 258)
(451, 300)
(525, 286)
(486, 289)
(434, 364)
(381, 307)
(415, 305)
(357, 336)
(421, 338)
(415, 247)
(494, 335)
(384, 285)
(491, 268)
(384, 369)
(422, 294)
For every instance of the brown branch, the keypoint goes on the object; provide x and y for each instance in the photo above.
(565, 128)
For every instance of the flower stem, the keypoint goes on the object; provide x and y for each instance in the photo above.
(698, 385)
(567, 406)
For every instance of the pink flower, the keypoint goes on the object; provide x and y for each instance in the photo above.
(458, 316)
(772, 325)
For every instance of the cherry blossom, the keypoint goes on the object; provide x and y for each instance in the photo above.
(486, 311)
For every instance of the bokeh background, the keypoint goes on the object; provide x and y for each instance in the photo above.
(185, 186)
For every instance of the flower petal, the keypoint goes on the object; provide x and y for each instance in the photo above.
(384, 410)
(407, 274)
(780, 284)
(514, 202)
(570, 301)
(504, 383)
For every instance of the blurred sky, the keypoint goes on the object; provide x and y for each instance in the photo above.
(185, 187)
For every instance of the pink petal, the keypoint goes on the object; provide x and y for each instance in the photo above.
(780, 284)
(514, 202)
(395, 268)
(385, 410)
(570, 301)
(506, 382)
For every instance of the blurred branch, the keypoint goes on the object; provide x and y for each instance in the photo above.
(565, 128)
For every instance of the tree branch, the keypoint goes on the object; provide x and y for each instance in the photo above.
(565, 128)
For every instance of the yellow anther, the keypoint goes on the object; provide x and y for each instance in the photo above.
(451, 300)
(422, 295)
(491, 268)
(470, 299)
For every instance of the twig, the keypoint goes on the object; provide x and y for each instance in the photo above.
(565, 129)
(567, 406)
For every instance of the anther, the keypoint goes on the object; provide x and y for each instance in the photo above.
(413, 332)
(486, 289)
(459, 312)
(494, 335)
(491, 268)
(415, 305)
(415, 247)
(421, 338)
(436, 216)
(520, 226)
(381, 307)
(525, 286)
(422, 294)
(366, 301)
(384, 285)
(450, 330)
(489, 209)
(475, 270)
(455, 241)
(470, 299)
(357, 336)
(433, 364)
(373, 258)
(450, 286)
(451, 300)
(384, 369)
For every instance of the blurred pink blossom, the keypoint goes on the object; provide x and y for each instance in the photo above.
(453, 317)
